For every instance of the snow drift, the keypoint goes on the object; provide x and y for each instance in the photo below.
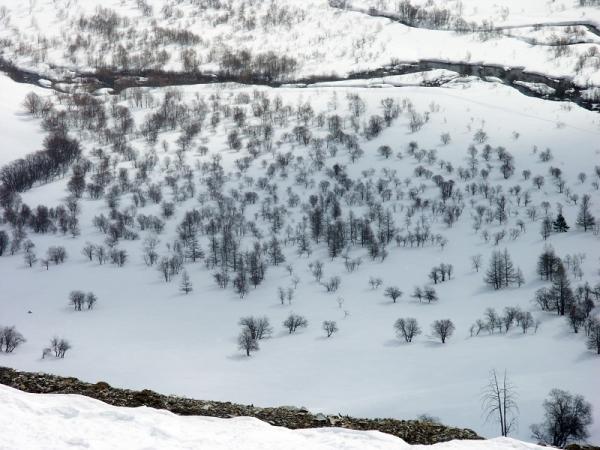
(46, 421)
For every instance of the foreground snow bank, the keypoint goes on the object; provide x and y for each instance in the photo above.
(36, 421)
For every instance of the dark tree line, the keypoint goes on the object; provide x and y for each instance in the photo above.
(43, 166)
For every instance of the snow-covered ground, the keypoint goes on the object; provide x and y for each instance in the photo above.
(505, 12)
(144, 333)
(15, 124)
(59, 422)
(76, 35)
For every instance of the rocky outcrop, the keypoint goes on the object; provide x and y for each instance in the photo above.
(412, 431)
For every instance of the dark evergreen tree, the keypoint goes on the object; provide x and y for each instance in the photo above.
(547, 263)
(561, 292)
(560, 224)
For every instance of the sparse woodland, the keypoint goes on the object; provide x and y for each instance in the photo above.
(285, 197)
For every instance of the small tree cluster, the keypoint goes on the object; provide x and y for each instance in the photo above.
(427, 293)
(79, 299)
(502, 272)
(10, 339)
(59, 346)
(492, 321)
(441, 273)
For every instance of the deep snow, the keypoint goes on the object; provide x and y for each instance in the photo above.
(59, 422)
(145, 334)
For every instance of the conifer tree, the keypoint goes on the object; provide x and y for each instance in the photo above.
(561, 292)
(186, 284)
(560, 224)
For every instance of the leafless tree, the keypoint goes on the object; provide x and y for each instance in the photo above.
(77, 299)
(295, 321)
(59, 346)
(566, 419)
(498, 401)
(476, 261)
(332, 284)
(258, 327)
(10, 339)
(593, 337)
(330, 327)
(90, 300)
(88, 250)
(393, 292)
(442, 329)
(30, 258)
(247, 343)
(407, 328)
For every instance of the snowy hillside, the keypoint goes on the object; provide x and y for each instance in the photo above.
(318, 37)
(59, 422)
(373, 246)
(145, 333)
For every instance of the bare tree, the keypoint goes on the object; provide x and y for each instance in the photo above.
(258, 327)
(498, 401)
(77, 299)
(330, 327)
(442, 329)
(57, 254)
(10, 339)
(526, 321)
(294, 321)
(59, 346)
(566, 419)
(332, 284)
(408, 328)
(88, 250)
(476, 261)
(393, 292)
(316, 269)
(593, 337)
(30, 258)
(90, 300)
(585, 219)
(375, 283)
(247, 343)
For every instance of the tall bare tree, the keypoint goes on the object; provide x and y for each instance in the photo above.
(499, 402)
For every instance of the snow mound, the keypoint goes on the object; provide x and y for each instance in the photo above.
(42, 421)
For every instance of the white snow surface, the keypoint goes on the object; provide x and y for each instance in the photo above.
(145, 334)
(20, 132)
(324, 40)
(61, 422)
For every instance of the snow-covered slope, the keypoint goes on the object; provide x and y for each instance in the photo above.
(85, 35)
(144, 333)
(20, 135)
(61, 422)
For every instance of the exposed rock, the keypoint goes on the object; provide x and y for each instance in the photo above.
(412, 431)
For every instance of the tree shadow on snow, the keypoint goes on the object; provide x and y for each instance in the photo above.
(395, 343)
(586, 356)
(239, 357)
(434, 344)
